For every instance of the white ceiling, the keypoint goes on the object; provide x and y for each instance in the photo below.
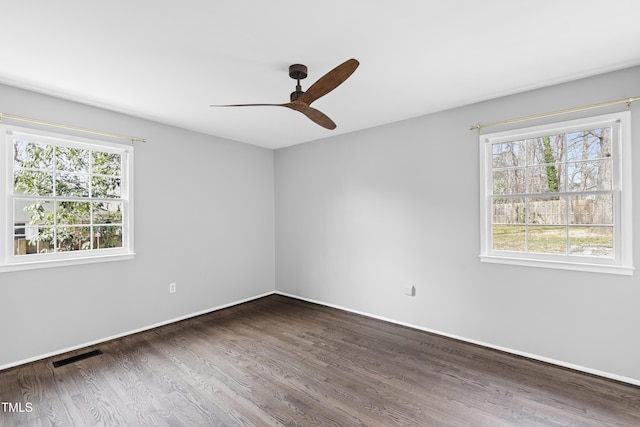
(168, 61)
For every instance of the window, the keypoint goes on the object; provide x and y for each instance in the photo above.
(68, 200)
(559, 195)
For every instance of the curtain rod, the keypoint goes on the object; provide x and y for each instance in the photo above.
(627, 101)
(133, 139)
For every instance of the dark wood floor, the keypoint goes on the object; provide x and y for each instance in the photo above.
(280, 361)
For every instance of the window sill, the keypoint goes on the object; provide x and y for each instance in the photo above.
(32, 265)
(562, 265)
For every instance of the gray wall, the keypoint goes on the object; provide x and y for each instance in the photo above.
(361, 215)
(203, 218)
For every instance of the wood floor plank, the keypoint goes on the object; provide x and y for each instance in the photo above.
(278, 361)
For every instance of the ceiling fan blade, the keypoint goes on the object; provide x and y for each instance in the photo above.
(329, 81)
(249, 105)
(315, 115)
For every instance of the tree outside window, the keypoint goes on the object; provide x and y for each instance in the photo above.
(67, 198)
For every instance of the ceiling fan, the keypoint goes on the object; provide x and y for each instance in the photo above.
(301, 100)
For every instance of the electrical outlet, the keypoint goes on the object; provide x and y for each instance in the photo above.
(172, 288)
(410, 290)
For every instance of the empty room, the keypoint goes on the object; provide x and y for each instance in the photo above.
(437, 230)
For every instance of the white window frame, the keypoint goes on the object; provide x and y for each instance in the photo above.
(11, 262)
(622, 261)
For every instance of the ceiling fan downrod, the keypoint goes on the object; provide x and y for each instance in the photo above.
(297, 72)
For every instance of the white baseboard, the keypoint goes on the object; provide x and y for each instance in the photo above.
(444, 334)
(124, 334)
(480, 343)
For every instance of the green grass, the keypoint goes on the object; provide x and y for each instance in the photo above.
(551, 239)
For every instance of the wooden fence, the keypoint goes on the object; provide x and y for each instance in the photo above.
(553, 211)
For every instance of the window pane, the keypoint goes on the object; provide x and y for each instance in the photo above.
(33, 183)
(546, 210)
(105, 187)
(73, 239)
(589, 144)
(508, 238)
(72, 159)
(108, 236)
(70, 213)
(39, 240)
(545, 150)
(72, 185)
(509, 181)
(590, 176)
(509, 154)
(107, 213)
(546, 179)
(32, 155)
(547, 239)
(591, 241)
(106, 163)
(591, 209)
(33, 212)
(508, 211)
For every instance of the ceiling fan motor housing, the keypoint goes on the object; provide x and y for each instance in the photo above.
(297, 94)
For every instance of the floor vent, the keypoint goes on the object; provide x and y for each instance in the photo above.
(76, 358)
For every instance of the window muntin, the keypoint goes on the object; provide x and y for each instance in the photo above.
(68, 198)
(555, 193)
